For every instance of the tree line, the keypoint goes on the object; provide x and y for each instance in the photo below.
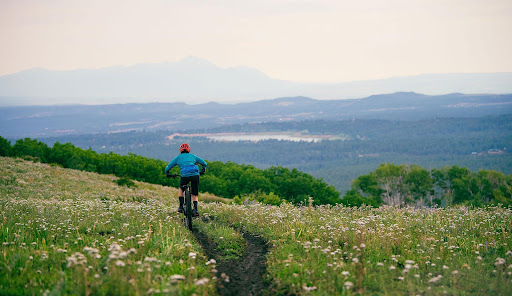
(222, 179)
(399, 185)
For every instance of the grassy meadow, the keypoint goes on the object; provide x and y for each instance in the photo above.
(67, 232)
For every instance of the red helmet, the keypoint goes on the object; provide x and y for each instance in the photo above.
(185, 147)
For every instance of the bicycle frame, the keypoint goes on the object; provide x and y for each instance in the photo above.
(188, 206)
(188, 203)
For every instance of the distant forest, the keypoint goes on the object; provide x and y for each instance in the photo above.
(474, 143)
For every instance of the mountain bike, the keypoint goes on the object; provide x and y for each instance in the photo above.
(188, 203)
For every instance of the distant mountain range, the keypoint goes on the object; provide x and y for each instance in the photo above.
(195, 80)
(41, 121)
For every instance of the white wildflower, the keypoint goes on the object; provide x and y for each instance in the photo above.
(201, 281)
(120, 263)
(435, 279)
(177, 277)
(308, 289)
(499, 261)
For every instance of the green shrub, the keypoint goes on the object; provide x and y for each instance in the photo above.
(125, 181)
(264, 198)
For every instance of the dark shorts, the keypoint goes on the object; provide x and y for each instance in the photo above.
(194, 181)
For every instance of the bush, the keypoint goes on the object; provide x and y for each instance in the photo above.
(264, 198)
(125, 181)
(354, 198)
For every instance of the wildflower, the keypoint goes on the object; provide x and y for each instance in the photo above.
(400, 278)
(349, 285)
(499, 261)
(192, 255)
(380, 264)
(150, 259)
(177, 277)
(308, 289)
(392, 267)
(355, 260)
(435, 279)
(120, 263)
(345, 273)
(201, 281)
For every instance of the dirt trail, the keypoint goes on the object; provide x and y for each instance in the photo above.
(245, 273)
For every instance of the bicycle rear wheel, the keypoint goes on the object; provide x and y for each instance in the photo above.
(188, 209)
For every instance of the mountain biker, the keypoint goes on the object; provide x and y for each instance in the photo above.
(187, 162)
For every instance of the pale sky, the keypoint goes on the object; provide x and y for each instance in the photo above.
(297, 40)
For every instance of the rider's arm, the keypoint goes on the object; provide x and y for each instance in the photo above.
(171, 164)
(200, 161)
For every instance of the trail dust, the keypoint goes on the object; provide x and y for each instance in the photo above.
(242, 276)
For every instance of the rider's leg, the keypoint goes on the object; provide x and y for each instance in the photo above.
(181, 198)
(194, 201)
(195, 191)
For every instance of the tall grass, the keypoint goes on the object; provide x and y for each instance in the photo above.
(69, 232)
(329, 250)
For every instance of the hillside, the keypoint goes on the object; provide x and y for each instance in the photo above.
(70, 232)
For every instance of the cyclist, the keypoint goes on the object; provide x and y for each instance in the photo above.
(187, 162)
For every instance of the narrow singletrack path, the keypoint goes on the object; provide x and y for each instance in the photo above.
(242, 276)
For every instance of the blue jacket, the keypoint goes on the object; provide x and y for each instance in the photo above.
(187, 164)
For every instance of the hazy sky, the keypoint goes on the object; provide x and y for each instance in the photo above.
(299, 40)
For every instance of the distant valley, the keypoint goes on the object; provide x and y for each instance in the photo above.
(57, 120)
(337, 140)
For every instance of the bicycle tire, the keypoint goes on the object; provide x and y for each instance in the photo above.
(188, 209)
